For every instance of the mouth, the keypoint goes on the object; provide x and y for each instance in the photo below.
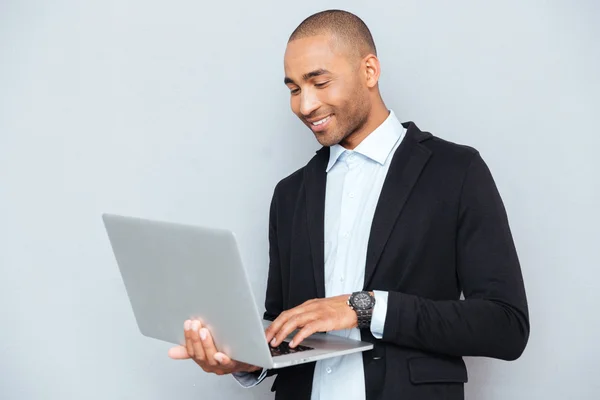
(321, 124)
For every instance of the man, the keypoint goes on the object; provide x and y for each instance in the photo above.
(388, 213)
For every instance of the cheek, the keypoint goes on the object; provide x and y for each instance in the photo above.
(334, 96)
(342, 97)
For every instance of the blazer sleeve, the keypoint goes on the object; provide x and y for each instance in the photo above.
(274, 293)
(492, 320)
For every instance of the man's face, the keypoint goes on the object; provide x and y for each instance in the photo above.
(327, 87)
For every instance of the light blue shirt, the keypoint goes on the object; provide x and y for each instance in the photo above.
(354, 181)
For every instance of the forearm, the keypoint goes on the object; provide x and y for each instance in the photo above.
(472, 327)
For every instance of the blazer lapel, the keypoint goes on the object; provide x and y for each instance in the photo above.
(316, 179)
(407, 164)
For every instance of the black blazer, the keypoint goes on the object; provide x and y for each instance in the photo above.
(439, 229)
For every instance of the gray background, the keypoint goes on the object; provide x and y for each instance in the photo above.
(176, 110)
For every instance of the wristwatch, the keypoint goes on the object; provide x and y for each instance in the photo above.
(362, 303)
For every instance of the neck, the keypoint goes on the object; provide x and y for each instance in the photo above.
(377, 116)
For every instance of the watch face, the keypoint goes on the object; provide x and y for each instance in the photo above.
(362, 301)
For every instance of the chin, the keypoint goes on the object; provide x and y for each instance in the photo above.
(327, 142)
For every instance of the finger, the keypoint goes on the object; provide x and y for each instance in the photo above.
(305, 332)
(281, 320)
(198, 349)
(179, 353)
(274, 327)
(209, 347)
(228, 365)
(298, 321)
(224, 361)
(187, 329)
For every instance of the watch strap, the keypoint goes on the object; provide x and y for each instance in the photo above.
(364, 318)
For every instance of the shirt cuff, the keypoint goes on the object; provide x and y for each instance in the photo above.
(249, 379)
(379, 313)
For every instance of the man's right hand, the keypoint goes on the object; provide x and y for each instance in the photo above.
(200, 347)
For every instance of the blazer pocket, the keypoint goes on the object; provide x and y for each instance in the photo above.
(437, 370)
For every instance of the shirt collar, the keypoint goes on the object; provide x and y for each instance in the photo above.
(377, 145)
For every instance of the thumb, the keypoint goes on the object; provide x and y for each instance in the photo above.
(178, 353)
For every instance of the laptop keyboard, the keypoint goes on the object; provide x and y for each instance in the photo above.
(284, 348)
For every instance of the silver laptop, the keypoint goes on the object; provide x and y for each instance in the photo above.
(173, 272)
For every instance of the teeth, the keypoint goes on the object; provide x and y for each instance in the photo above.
(321, 121)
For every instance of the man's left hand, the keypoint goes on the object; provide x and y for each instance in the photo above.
(317, 315)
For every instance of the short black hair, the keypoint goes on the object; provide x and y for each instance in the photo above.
(344, 25)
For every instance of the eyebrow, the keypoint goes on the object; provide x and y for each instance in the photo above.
(307, 76)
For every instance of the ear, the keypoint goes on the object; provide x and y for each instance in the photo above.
(372, 70)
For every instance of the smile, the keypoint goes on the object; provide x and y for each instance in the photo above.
(322, 121)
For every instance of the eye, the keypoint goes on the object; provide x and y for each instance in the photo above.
(321, 84)
(294, 91)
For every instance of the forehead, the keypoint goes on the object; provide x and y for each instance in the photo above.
(312, 53)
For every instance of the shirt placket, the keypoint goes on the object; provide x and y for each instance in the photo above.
(348, 218)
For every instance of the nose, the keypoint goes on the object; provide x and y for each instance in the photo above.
(308, 102)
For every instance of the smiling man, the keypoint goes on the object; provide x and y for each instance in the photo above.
(376, 238)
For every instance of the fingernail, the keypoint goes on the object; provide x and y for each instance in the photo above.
(273, 342)
(187, 325)
(219, 358)
(195, 325)
(292, 343)
(203, 334)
